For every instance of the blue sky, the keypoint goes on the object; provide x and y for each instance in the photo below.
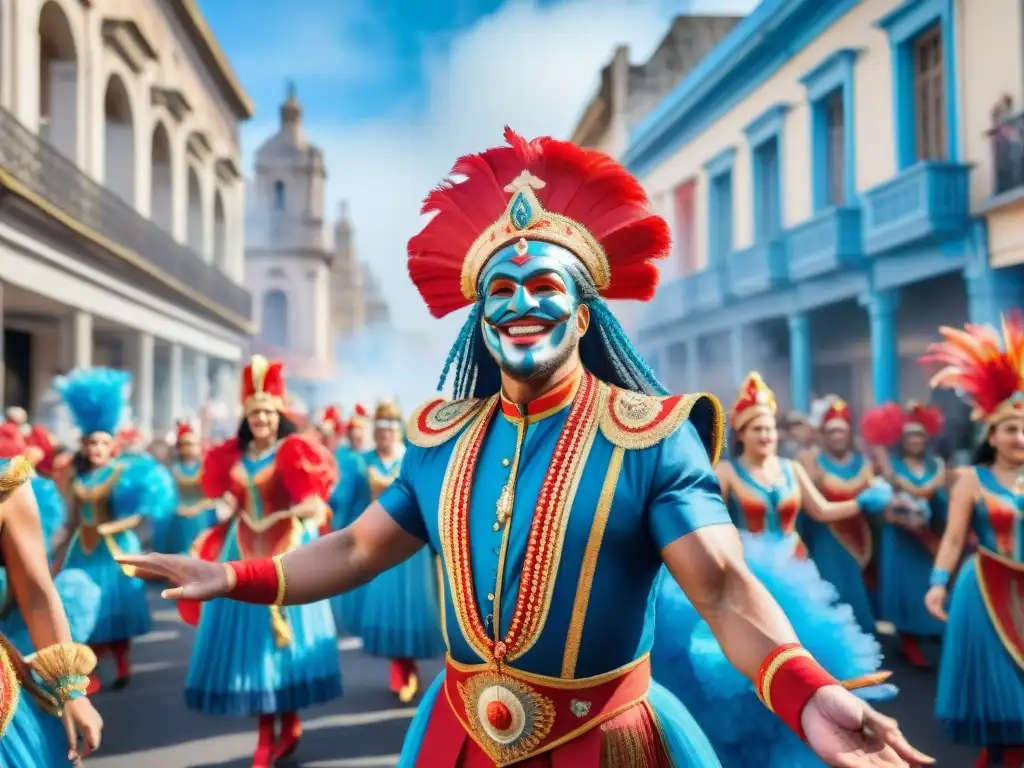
(394, 91)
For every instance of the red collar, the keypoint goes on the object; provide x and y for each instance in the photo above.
(552, 401)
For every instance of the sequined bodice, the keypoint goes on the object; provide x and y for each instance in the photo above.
(998, 518)
(187, 477)
(93, 493)
(842, 481)
(764, 509)
(257, 486)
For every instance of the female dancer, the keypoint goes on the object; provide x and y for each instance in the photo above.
(349, 498)
(332, 427)
(980, 698)
(764, 494)
(843, 549)
(247, 660)
(56, 677)
(909, 536)
(110, 497)
(194, 512)
(399, 618)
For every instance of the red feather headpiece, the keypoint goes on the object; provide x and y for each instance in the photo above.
(883, 425)
(754, 399)
(360, 416)
(263, 385)
(837, 415)
(12, 442)
(923, 418)
(184, 429)
(984, 365)
(546, 190)
(331, 420)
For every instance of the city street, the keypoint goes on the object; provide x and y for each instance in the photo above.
(147, 723)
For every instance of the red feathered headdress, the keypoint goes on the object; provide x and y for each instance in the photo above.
(837, 415)
(331, 420)
(360, 416)
(12, 442)
(923, 418)
(754, 399)
(183, 430)
(263, 385)
(546, 190)
(984, 365)
(883, 425)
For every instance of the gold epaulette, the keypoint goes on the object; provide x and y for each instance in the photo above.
(437, 421)
(17, 473)
(636, 421)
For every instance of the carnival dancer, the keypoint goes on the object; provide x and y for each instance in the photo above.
(332, 427)
(399, 614)
(52, 509)
(248, 661)
(842, 550)
(194, 512)
(110, 497)
(910, 536)
(554, 488)
(980, 697)
(37, 694)
(349, 498)
(764, 494)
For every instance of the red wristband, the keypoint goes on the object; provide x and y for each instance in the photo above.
(788, 678)
(256, 581)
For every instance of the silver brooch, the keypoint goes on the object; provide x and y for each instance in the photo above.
(579, 708)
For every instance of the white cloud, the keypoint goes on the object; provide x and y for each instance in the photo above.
(530, 67)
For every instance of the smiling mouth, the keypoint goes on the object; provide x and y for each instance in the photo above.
(525, 332)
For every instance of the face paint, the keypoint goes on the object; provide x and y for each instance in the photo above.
(529, 308)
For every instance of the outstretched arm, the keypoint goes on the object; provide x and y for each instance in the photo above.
(817, 506)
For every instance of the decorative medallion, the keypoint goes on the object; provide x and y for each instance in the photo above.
(521, 212)
(579, 708)
(437, 421)
(508, 718)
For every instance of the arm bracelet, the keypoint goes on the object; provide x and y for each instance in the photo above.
(64, 669)
(938, 578)
(261, 581)
(788, 678)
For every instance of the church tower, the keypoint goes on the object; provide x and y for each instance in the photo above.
(347, 296)
(288, 261)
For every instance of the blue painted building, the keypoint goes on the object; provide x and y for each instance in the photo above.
(827, 171)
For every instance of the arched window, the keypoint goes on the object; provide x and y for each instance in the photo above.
(274, 323)
(279, 195)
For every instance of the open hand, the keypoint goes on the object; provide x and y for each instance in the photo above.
(197, 579)
(935, 601)
(845, 732)
(81, 722)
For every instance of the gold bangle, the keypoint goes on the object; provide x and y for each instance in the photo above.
(282, 580)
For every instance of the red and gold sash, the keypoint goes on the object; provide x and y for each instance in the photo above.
(1001, 582)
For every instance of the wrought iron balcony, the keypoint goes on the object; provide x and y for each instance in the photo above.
(1007, 142)
(826, 243)
(35, 170)
(757, 269)
(927, 202)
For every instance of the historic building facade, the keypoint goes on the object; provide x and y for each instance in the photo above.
(121, 202)
(827, 171)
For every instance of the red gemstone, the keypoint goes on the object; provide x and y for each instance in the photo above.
(499, 715)
(499, 650)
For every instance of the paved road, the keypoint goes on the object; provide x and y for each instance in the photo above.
(148, 725)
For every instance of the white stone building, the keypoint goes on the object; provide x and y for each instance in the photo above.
(121, 203)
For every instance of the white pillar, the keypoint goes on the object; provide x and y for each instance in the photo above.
(81, 339)
(202, 384)
(144, 381)
(176, 382)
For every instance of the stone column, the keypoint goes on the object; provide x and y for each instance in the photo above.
(801, 365)
(885, 368)
(81, 340)
(144, 364)
(176, 382)
(737, 347)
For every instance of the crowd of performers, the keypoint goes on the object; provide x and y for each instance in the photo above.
(562, 533)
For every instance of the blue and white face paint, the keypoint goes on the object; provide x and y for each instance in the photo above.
(530, 302)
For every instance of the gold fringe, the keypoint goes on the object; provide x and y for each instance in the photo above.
(18, 472)
(282, 630)
(632, 739)
(63, 660)
(10, 679)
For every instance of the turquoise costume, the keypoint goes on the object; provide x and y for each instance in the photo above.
(842, 559)
(193, 514)
(980, 697)
(53, 512)
(249, 660)
(905, 559)
(348, 500)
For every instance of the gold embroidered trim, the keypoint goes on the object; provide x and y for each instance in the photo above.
(589, 565)
(443, 606)
(533, 712)
(18, 472)
(990, 608)
(10, 682)
(437, 421)
(282, 580)
(765, 693)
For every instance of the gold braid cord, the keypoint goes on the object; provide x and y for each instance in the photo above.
(17, 473)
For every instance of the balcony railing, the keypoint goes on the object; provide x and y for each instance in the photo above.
(828, 242)
(927, 202)
(52, 178)
(1007, 142)
(705, 290)
(757, 269)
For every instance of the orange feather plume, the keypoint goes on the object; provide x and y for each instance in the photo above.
(983, 363)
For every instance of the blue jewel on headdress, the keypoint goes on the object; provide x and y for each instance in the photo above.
(521, 212)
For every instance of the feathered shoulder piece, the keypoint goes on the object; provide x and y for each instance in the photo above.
(547, 190)
(983, 364)
(882, 426)
(217, 465)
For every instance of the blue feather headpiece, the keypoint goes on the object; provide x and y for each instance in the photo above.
(96, 397)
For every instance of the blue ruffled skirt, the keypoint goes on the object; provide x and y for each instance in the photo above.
(688, 661)
(838, 568)
(904, 568)
(177, 533)
(123, 610)
(686, 744)
(400, 614)
(237, 668)
(33, 739)
(980, 697)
